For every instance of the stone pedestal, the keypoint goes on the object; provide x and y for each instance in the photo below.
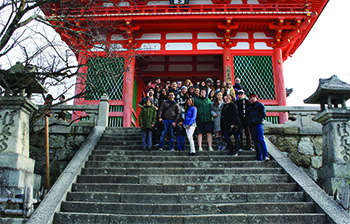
(16, 168)
(335, 172)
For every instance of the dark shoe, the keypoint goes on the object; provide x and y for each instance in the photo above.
(192, 154)
(144, 149)
(149, 149)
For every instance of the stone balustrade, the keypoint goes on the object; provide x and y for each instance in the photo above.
(301, 121)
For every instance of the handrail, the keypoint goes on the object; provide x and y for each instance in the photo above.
(293, 109)
(44, 214)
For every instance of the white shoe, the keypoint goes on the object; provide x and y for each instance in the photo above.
(200, 149)
(211, 148)
(267, 159)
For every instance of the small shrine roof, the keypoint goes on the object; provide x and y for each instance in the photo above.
(334, 87)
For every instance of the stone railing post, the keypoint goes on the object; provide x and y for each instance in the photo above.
(15, 165)
(334, 175)
(103, 111)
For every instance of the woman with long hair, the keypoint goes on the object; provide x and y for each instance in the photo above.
(211, 95)
(190, 123)
(216, 109)
(190, 92)
(188, 83)
(157, 91)
(218, 85)
(163, 96)
(231, 91)
(223, 91)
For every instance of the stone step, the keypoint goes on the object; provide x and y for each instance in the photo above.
(138, 142)
(186, 197)
(73, 218)
(184, 179)
(184, 188)
(138, 147)
(125, 137)
(162, 158)
(122, 151)
(183, 171)
(120, 142)
(188, 164)
(138, 136)
(189, 209)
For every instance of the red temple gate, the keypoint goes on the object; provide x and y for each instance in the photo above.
(125, 44)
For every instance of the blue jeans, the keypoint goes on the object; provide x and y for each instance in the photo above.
(168, 127)
(257, 133)
(180, 142)
(147, 138)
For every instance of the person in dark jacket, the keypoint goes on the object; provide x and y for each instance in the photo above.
(180, 133)
(147, 120)
(230, 124)
(256, 115)
(169, 113)
(150, 96)
(243, 105)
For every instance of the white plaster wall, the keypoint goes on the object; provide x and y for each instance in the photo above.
(178, 46)
(208, 36)
(261, 36)
(241, 46)
(150, 36)
(178, 36)
(241, 35)
(208, 46)
(261, 46)
(150, 46)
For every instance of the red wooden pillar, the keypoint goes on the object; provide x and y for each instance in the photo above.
(227, 63)
(280, 87)
(128, 91)
(80, 81)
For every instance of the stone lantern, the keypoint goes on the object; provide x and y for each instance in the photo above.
(16, 168)
(332, 94)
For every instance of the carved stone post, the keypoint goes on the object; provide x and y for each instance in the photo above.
(16, 168)
(103, 111)
(334, 175)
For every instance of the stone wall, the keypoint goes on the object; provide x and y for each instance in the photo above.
(304, 150)
(64, 142)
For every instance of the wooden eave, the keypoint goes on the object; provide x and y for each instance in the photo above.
(203, 18)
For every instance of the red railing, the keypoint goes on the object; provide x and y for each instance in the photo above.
(145, 10)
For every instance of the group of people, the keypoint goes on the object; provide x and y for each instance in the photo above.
(184, 109)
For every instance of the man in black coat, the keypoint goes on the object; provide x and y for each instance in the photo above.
(244, 105)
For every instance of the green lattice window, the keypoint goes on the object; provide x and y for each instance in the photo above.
(273, 120)
(256, 74)
(105, 75)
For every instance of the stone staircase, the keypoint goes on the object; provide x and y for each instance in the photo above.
(123, 184)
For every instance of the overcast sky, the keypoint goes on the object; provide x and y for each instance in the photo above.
(324, 52)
